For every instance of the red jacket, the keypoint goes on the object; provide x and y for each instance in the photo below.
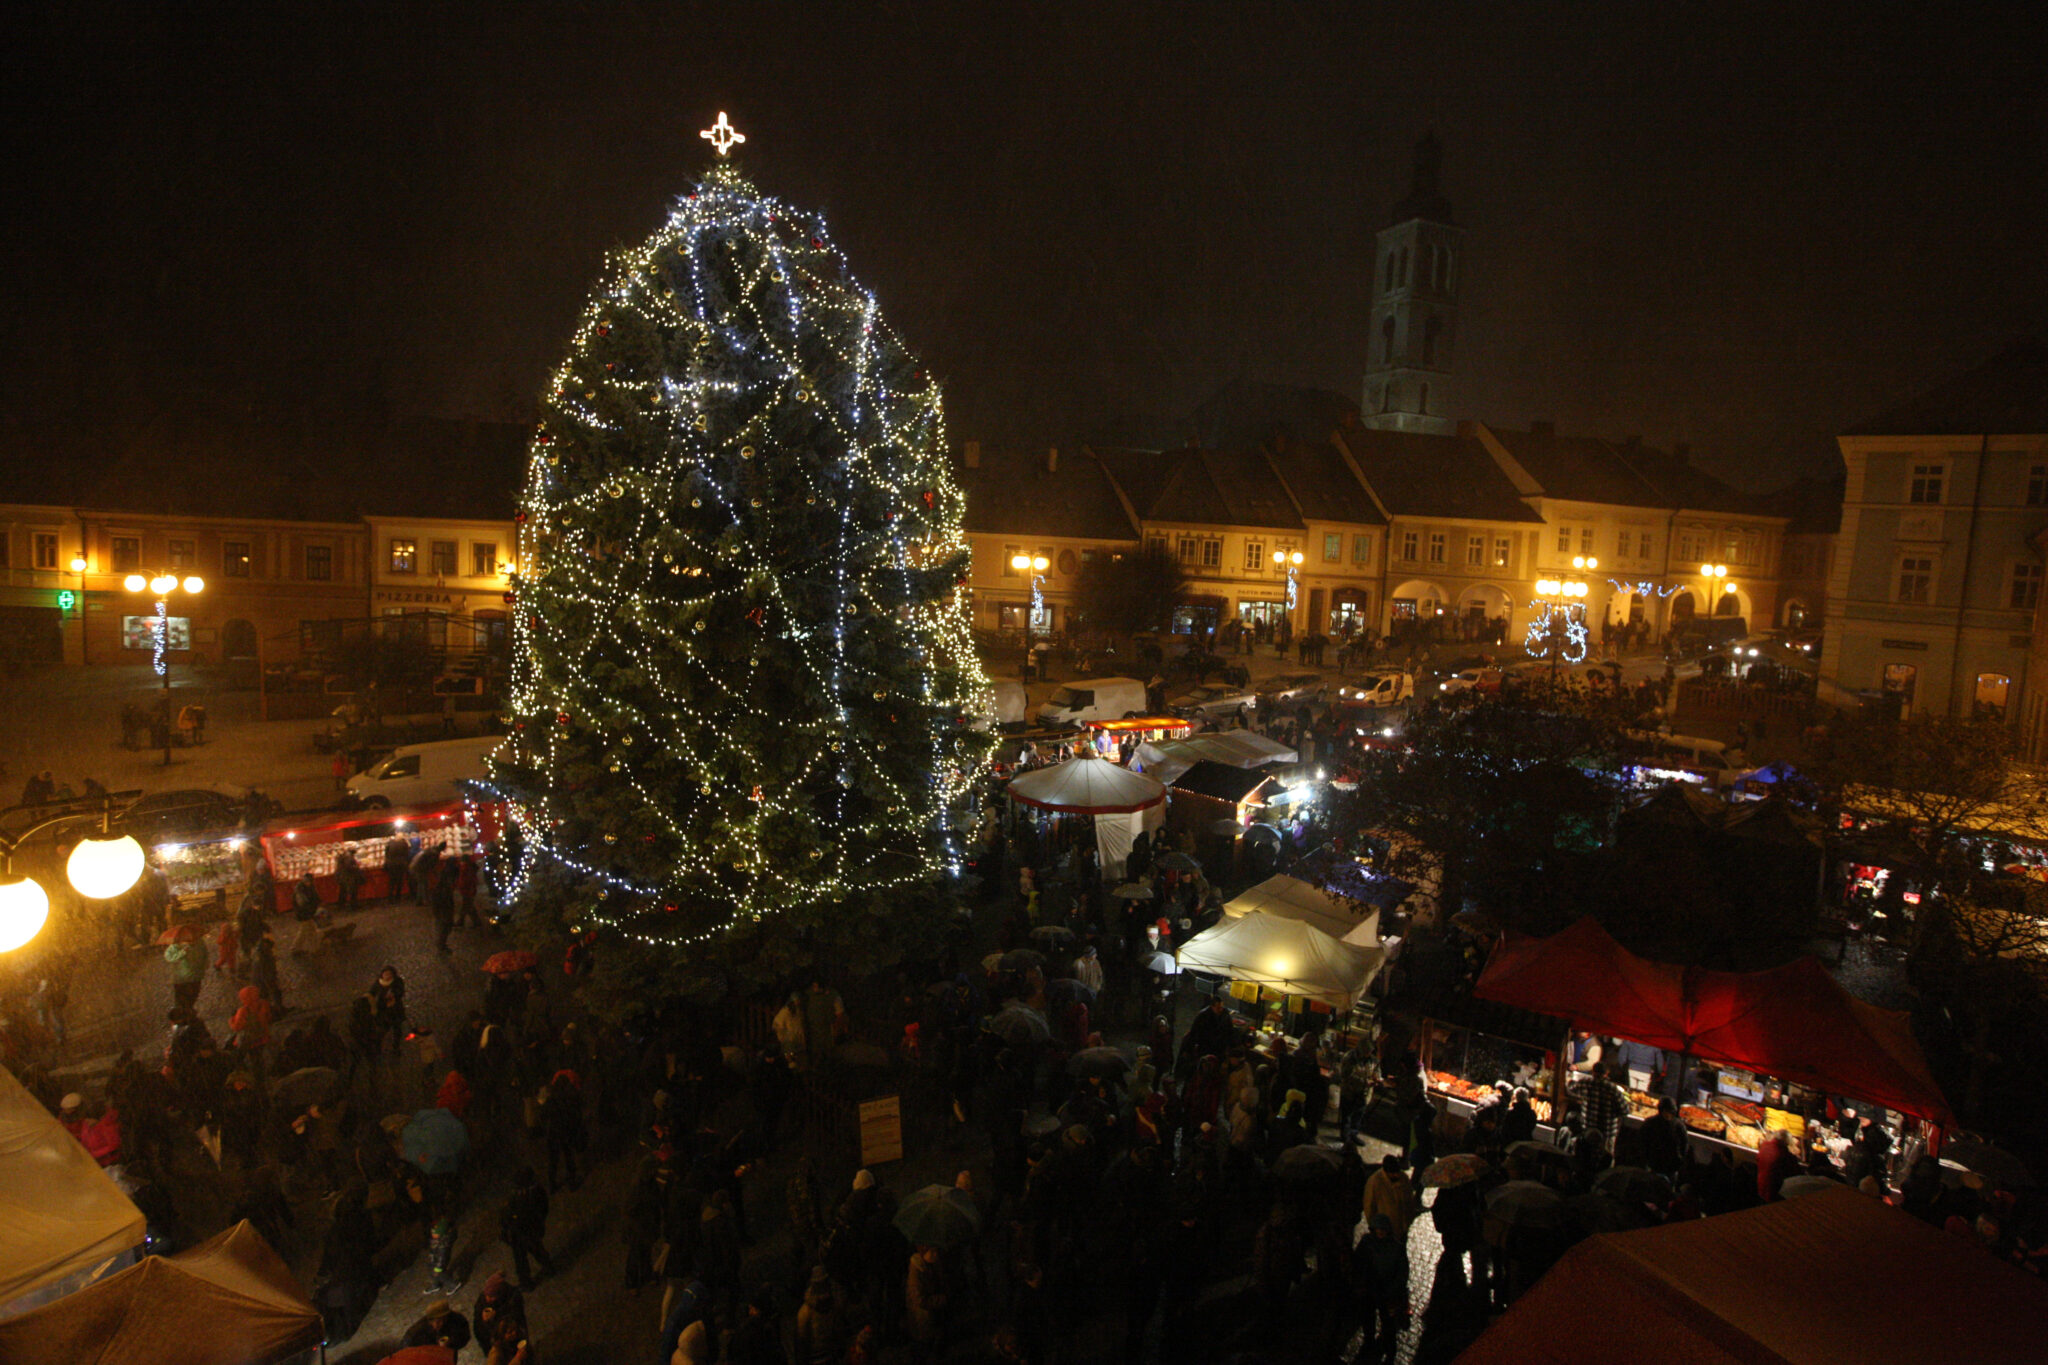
(454, 1094)
(251, 1022)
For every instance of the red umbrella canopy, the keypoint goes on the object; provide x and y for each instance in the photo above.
(510, 961)
(180, 933)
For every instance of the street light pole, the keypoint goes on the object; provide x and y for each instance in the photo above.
(1035, 566)
(78, 566)
(163, 585)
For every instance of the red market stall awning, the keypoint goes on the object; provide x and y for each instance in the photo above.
(1820, 1280)
(1794, 1022)
(1087, 786)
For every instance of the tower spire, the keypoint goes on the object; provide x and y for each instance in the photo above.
(1417, 265)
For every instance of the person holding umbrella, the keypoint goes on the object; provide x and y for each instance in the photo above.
(387, 1008)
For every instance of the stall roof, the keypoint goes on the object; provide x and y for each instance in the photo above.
(1825, 1278)
(1286, 955)
(1794, 1022)
(1293, 898)
(227, 1301)
(1087, 786)
(61, 1212)
(1167, 759)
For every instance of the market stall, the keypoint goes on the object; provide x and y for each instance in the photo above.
(1291, 898)
(1168, 759)
(227, 1301)
(1121, 803)
(66, 1222)
(1776, 1043)
(1831, 1277)
(297, 847)
(1287, 956)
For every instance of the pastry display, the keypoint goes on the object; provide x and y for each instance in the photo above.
(1740, 1111)
(1702, 1120)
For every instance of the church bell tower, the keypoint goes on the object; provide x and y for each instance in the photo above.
(1420, 258)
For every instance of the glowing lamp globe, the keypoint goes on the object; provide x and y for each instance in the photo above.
(195, 584)
(24, 907)
(102, 869)
(135, 582)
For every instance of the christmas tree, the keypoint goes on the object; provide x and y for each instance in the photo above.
(742, 659)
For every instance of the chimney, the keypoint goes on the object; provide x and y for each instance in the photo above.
(1543, 428)
(1052, 460)
(970, 454)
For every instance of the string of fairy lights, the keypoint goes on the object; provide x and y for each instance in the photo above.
(650, 513)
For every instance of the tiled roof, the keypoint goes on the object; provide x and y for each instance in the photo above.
(1416, 474)
(1011, 492)
(1578, 468)
(2005, 396)
(1322, 483)
(1203, 488)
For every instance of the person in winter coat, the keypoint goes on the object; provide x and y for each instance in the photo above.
(306, 910)
(227, 947)
(250, 922)
(497, 1301)
(454, 1094)
(188, 962)
(441, 1325)
(924, 1300)
(263, 971)
(823, 1329)
(348, 880)
(757, 1340)
(426, 866)
(387, 1006)
(789, 1033)
(465, 890)
(523, 1225)
(1381, 1263)
(562, 1121)
(1391, 1193)
(397, 858)
(443, 898)
(251, 1024)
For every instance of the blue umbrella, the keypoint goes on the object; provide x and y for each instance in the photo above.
(435, 1141)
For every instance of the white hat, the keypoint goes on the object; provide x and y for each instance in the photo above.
(71, 1102)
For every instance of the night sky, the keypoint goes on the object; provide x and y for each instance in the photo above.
(1742, 227)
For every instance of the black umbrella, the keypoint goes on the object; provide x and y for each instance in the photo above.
(1021, 959)
(1068, 989)
(1998, 1166)
(1099, 1061)
(938, 1216)
(1307, 1164)
(1019, 1025)
(307, 1086)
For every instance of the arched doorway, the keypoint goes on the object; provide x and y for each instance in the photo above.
(1684, 606)
(238, 640)
(1728, 605)
(1484, 613)
(1793, 617)
(1415, 610)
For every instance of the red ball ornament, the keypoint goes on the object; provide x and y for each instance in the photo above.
(561, 717)
(817, 243)
(609, 367)
(604, 329)
(511, 597)
(929, 498)
(519, 517)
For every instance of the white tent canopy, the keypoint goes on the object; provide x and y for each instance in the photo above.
(1285, 955)
(1169, 758)
(1293, 898)
(1087, 786)
(64, 1217)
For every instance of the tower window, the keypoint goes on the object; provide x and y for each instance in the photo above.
(1387, 340)
(1407, 268)
(1387, 272)
(1422, 398)
(1447, 272)
(1430, 330)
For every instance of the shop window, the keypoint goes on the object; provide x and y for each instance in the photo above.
(180, 553)
(1993, 690)
(45, 548)
(483, 558)
(1926, 484)
(127, 553)
(234, 558)
(405, 555)
(444, 558)
(320, 563)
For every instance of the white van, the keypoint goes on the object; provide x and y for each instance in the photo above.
(1094, 699)
(1009, 706)
(423, 774)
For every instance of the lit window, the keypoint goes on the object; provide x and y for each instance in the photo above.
(1502, 547)
(234, 558)
(483, 558)
(1916, 578)
(405, 556)
(2026, 587)
(1926, 486)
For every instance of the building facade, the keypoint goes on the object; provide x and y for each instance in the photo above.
(447, 577)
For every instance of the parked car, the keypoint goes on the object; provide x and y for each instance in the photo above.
(1485, 681)
(1293, 689)
(422, 774)
(1375, 690)
(189, 812)
(1215, 702)
(1094, 699)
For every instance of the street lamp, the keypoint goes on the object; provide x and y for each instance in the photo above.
(78, 566)
(1034, 565)
(1555, 629)
(99, 869)
(1713, 574)
(163, 585)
